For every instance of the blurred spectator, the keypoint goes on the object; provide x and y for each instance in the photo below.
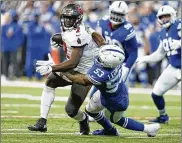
(36, 37)
(12, 39)
(93, 10)
(139, 71)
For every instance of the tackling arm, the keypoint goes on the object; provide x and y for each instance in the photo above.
(132, 50)
(98, 39)
(71, 63)
(78, 78)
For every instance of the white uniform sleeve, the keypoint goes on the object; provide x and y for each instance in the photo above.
(158, 55)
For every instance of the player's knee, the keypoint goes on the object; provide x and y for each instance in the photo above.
(117, 116)
(91, 114)
(51, 81)
(157, 91)
(70, 111)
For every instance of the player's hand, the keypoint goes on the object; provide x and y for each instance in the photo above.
(125, 72)
(141, 60)
(50, 62)
(44, 70)
(179, 74)
(176, 44)
(55, 45)
(56, 41)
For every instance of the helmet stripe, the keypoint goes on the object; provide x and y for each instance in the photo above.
(114, 51)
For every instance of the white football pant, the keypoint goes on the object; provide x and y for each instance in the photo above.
(167, 80)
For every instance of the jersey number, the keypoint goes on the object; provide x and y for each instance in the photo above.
(113, 41)
(167, 46)
(99, 73)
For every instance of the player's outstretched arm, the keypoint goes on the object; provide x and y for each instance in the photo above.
(78, 78)
(157, 56)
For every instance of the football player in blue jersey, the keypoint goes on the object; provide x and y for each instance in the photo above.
(170, 46)
(118, 31)
(106, 75)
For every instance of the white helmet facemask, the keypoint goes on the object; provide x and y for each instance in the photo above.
(117, 12)
(164, 11)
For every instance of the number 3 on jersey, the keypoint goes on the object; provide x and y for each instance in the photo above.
(98, 72)
(167, 46)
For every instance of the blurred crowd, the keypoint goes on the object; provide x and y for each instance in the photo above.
(27, 27)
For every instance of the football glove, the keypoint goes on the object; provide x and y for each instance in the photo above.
(44, 70)
(141, 60)
(125, 72)
(179, 74)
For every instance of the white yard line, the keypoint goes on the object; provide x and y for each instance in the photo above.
(9, 111)
(133, 107)
(68, 133)
(65, 116)
(34, 84)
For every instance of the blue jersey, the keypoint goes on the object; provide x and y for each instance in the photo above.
(114, 93)
(124, 37)
(166, 37)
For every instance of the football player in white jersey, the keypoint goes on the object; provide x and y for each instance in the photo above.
(80, 45)
(170, 46)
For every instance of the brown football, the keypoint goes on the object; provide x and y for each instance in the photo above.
(57, 38)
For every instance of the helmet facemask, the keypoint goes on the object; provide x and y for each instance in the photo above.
(71, 17)
(165, 20)
(166, 16)
(117, 18)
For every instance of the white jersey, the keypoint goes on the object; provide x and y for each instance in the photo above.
(80, 37)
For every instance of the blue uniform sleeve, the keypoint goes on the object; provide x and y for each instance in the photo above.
(96, 75)
(132, 51)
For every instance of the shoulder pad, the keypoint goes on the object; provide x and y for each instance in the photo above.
(78, 37)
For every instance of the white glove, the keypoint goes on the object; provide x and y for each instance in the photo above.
(143, 59)
(125, 72)
(179, 74)
(50, 62)
(43, 70)
(175, 44)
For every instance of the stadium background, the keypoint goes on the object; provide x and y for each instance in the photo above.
(21, 88)
(19, 59)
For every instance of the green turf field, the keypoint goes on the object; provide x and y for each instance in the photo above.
(20, 108)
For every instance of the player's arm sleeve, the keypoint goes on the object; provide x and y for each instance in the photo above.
(96, 76)
(132, 50)
(158, 55)
(93, 80)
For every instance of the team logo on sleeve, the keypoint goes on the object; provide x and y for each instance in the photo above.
(78, 41)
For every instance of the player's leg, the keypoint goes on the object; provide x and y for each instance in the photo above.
(166, 81)
(72, 108)
(92, 91)
(94, 109)
(47, 98)
(131, 124)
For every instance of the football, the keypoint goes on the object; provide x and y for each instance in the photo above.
(57, 38)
